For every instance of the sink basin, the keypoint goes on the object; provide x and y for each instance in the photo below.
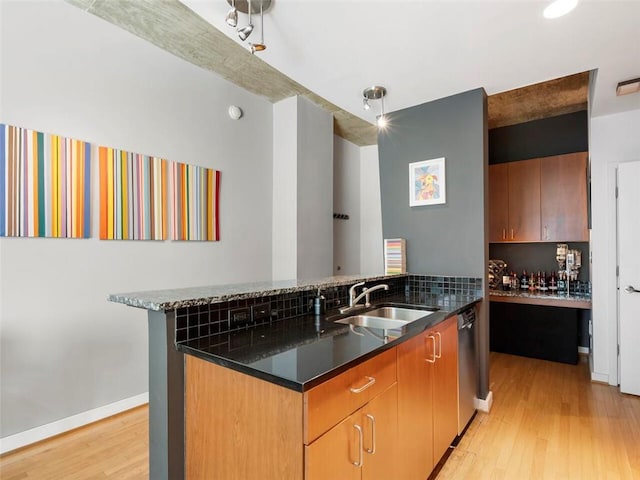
(386, 318)
(399, 313)
(374, 322)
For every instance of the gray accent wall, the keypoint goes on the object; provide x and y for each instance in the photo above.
(441, 239)
(448, 239)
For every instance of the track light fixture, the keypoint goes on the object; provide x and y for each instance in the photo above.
(248, 7)
(375, 93)
(259, 47)
(232, 16)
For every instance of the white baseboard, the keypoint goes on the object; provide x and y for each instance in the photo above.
(42, 432)
(599, 377)
(583, 350)
(484, 405)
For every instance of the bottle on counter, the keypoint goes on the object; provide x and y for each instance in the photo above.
(506, 281)
(532, 282)
(524, 281)
(553, 282)
(562, 282)
(515, 282)
(543, 282)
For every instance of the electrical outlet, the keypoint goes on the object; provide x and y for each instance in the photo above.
(239, 317)
(260, 312)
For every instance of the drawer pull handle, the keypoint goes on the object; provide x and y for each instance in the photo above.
(433, 357)
(372, 419)
(439, 355)
(360, 454)
(370, 381)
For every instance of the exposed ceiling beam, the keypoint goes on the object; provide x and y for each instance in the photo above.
(542, 100)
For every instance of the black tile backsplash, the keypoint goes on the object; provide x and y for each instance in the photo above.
(442, 285)
(204, 322)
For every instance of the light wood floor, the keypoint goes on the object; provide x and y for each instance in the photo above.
(116, 448)
(548, 422)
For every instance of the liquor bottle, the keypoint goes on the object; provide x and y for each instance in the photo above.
(562, 282)
(538, 281)
(553, 282)
(532, 282)
(524, 281)
(506, 281)
(543, 282)
(515, 282)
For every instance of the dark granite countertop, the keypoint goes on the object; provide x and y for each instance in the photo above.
(300, 353)
(171, 299)
(529, 294)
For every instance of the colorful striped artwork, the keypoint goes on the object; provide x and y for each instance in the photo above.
(195, 200)
(133, 196)
(44, 185)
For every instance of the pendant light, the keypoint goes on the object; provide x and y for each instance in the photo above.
(232, 16)
(259, 47)
(244, 32)
(375, 93)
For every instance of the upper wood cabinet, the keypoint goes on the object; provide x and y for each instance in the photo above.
(498, 202)
(539, 200)
(563, 198)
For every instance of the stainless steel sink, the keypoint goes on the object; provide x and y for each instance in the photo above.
(399, 313)
(385, 318)
(374, 322)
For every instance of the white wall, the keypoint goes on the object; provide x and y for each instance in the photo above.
(614, 139)
(315, 191)
(346, 200)
(371, 241)
(285, 189)
(64, 349)
(302, 190)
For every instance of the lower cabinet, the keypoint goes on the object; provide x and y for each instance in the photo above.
(428, 399)
(362, 446)
(390, 417)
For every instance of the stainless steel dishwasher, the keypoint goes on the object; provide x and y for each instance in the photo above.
(467, 367)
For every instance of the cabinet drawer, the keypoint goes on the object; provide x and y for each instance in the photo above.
(328, 403)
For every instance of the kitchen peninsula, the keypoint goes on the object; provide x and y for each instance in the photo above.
(256, 352)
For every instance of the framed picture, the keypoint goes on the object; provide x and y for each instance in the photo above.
(427, 184)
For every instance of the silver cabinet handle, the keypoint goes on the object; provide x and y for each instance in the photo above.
(433, 358)
(370, 382)
(630, 289)
(372, 419)
(360, 454)
(439, 355)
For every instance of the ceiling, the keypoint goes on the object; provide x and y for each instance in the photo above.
(330, 50)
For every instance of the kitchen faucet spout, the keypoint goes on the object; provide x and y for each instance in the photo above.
(353, 299)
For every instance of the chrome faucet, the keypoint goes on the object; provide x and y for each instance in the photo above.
(354, 299)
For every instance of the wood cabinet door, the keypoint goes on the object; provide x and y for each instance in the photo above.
(333, 454)
(445, 387)
(563, 198)
(524, 201)
(498, 202)
(415, 423)
(380, 423)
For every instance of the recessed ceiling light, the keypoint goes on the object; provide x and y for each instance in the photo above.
(559, 8)
(630, 86)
